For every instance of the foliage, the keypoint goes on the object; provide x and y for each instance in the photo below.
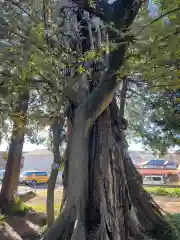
(5, 155)
(33, 54)
(1, 219)
(152, 68)
(151, 54)
(155, 126)
(28, 59)
(175, 221)
(18, 208)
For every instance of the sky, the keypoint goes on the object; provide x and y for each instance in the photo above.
(30, 147)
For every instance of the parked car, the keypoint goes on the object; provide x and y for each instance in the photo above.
(2, 175)
(154, 180)
(33, 177)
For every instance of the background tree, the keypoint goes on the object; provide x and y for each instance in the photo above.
(58, 136)
(22, 67)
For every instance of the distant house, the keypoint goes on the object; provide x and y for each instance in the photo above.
(158, 171)
(39, 159)
(142, 158)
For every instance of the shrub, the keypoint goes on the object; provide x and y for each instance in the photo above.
(1, 219)
(18, 208)
(175, 222)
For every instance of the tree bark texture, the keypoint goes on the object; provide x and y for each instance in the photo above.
(56, 127)
(148, 213)
(110, 203)
(13, 166)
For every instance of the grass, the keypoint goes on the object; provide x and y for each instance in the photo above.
(38, 204)
(162, 191)
(42, 208)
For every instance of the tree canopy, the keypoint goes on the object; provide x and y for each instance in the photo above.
(33, 54)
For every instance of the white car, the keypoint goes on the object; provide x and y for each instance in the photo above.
(154, 180)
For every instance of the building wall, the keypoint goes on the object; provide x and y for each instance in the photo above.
(40, 163)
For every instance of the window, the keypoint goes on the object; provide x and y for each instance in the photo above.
(148, 178)
(27, 174)
(41, 174)
(157, 178)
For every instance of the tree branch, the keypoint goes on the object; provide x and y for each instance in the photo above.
(158, 18)
(18, 5)
(123, 97)
(103, 94)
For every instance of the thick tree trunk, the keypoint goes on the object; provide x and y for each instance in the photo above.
(11, 177)
(104, 211)
(56, 127)
(116, 206)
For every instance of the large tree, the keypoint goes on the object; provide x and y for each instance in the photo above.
(103, 198)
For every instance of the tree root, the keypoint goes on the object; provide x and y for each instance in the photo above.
(79, 231)
(63, 226)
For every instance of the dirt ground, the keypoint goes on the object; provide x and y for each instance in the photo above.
(168, 204)
(30, 226)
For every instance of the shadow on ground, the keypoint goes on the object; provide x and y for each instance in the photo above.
(28, 227)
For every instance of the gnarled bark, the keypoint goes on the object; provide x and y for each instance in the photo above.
(116, 206)
(105, 211)
(147, 211)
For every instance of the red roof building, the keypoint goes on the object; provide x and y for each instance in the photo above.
(157, 171)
